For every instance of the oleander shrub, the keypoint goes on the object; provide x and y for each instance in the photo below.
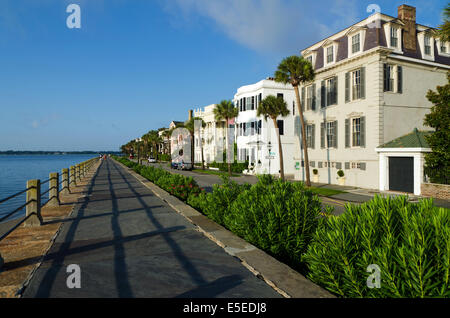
(278, 217)
(409, 242)
(236, 167)
(216, 205)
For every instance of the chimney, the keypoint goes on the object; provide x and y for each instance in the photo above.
(407, 15)
(190, 114)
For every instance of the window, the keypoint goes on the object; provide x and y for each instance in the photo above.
(310, 136)
(249, 103)
(356, 132)
(356, 43)
(309, 59)
(443, 47)
(389, 78)
(331, 91)
(280, 124)
(331, 134)
(309, 97)
(356, 84)
(280, 95)
(293, 108)
(330, 54)
(394, 38)
(427, 44)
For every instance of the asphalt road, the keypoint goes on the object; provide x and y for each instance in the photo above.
(206, 181)
(127, 242)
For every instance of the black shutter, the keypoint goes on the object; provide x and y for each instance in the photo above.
(253, 102)
(293, 108)
(363, 131)
(322, 95)
(313, 136)
(347, 133)
(347, 87)
(244, 108)
(385, 78)
(280, 127)
(313, 106)
(303, 99)
(399, 79)
(335, 90)
(363, 82)
(322, 135)
(335, 144)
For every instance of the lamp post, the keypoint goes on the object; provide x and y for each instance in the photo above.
(269, 147)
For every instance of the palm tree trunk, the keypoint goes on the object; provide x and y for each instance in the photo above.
(305, 145)
(280, 149)
(226, 140)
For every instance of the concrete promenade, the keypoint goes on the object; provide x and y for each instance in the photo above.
(130, 243)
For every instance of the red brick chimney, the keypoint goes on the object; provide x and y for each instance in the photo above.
(407, 15)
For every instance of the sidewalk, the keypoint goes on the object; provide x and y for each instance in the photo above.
(129, 242)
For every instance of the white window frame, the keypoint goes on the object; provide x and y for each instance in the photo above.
(354, 85)
(446, 45)
(309, 135)
(421, 40)
(354, 130)
(325, 55)
(309, 97)
(388, 27)
(362, 36)
(394, 78)
(328, 126)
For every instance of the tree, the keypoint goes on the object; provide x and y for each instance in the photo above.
(437, 163)
(190, 125)
(443, 32)
(226, 111)
(295, 70)
(273, 107)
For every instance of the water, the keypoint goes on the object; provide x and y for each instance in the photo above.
(15, 170)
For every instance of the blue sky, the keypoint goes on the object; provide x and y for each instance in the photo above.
(136, 65)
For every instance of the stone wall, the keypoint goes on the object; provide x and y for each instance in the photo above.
(439, 191)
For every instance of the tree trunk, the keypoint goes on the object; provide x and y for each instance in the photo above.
(305, 145)
(280, 149)
(226, 140)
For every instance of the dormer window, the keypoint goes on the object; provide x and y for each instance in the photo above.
(394, 38)
(443, 48)
(330, 54)
(427, 42)
(356, 43)
(309, 59)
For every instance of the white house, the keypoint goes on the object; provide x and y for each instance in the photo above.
(256, 138)
(211, 134)
(370, 88)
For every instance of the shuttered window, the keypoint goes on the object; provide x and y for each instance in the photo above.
(310, 136)
(280, 124)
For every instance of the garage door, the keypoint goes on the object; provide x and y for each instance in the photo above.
(401, 174)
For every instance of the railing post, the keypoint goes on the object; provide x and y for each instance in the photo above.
(77, 167)
(65, 181)
(34, 205)
(53, 194)
(73, 180)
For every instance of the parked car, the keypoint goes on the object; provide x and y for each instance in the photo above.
(151, 160)
(174, 165)
(184, 166)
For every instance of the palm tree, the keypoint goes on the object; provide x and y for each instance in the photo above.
(295, 70)
(443, 32)
(226, 111)
(273, 107)
(190, 125)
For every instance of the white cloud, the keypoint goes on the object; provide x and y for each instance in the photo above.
(273, 26)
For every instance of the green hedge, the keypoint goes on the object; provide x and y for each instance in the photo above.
(180, 186)
(236, 167)
(409, 242)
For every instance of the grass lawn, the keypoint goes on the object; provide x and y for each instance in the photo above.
(325, 192)
(214, 172)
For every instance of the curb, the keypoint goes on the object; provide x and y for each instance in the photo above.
(282, 278)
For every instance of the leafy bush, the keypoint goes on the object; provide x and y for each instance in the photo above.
(236, 167)
(278, 217)
(216, 205)
(340, 173)
(315, 171)
(409, 242)
(164, 157)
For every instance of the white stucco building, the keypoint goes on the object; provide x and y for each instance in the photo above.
(211, 134)
(370, 88)
(255, 135)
